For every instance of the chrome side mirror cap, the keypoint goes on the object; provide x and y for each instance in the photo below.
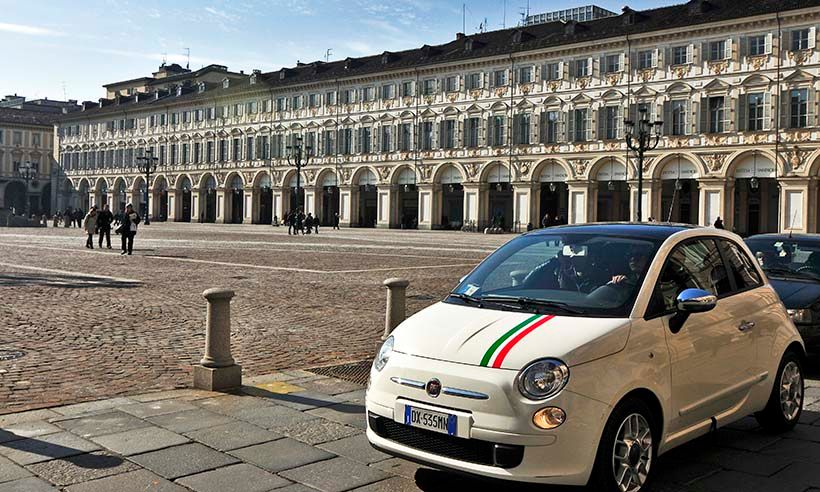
(696, 301)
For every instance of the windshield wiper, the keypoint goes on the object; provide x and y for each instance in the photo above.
(466, 297)
(789, 272)
(529, 301)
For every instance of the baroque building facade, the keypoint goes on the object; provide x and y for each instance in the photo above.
(502, 127)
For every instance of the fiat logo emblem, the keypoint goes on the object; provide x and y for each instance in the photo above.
(433, 388)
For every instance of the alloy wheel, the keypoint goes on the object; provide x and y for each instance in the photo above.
(632, 453)
(791, 390)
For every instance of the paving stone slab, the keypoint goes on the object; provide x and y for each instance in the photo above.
(190, 420)
(394, 484)
(356, 448)
(92, 406)
(335, 475)
(180, 461)
(328, 386)
(273, 417)
(305, 400)
(319, 431)
(135, 481)
(241, 476)
(82, 468)
(400, 467)
(140, 440)
(29, 484)
(183, 395)
(351, 414)
(30, 429)
(30, 416)
(743, 461)
(151, 409)
(794, 450)
(352, 396)
(747, 441)
(233, 435)
(231, 404)
(44, 448)
(284, 454)
(727, 480)
(798, 475)
(804, 432)
(11, 471)
(100, 424)
(275, 377)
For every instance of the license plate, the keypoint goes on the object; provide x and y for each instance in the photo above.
(430, 420)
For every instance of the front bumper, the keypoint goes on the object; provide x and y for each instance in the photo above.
(501, 441)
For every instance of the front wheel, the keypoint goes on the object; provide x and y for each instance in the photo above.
(785, 404)
(627, 451)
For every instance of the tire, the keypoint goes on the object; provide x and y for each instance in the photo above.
(785, 404)
(630, 414)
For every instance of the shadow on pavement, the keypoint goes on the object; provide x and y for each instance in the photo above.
(44, 448)
(64, 281)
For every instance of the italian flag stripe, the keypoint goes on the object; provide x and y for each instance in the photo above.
(499, 359)
(485, 361)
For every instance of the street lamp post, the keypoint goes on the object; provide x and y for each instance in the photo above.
(300, 160)
(28, 173)
(642, 136)
(147, 164)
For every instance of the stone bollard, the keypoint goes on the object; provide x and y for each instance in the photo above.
(396, 304)
(217, 370)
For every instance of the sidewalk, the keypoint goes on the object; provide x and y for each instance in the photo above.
(297, 431)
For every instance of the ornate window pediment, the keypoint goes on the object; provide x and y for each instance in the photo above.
(428, 113)
(756, 80)
(679, 88)
(499, 106)
(553, 101)
(645, 91)
(581, 99)
(474, 108)
(450, 111)
(799, 76)
(524, 104)
(612, 95)
(717, 85)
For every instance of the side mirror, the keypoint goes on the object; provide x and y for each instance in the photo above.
(695, 301)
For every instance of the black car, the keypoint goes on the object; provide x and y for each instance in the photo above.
(792, 263)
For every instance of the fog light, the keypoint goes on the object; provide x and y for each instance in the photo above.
(549, 418)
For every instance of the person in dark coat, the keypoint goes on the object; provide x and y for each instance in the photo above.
(308, 224)
(719, 223)
(130, 221)
(90, 226)
(336, 220)
(546, 221)
(300, 222)
(104, 220)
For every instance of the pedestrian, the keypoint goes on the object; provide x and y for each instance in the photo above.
(68, 217)
(104, 220)
(308, 224)
(719, 223)
(275, 221)
(300, 222)
(90, 226)
(546, 221)
(289, 222)
(128, 229)
(78, 217)
(316, 225)
(336, 220)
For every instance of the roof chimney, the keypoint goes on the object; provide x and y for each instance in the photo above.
(459, 36)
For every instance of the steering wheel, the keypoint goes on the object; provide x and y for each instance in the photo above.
(808, 268)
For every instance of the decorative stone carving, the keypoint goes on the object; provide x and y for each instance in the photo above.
(500, 91)
(797, 136)
(647, 74)
(345, 172)
(680, 71)
(583, 82)
(248, 177)
(580, 166)
(525, 88)
(428, 100)
(612, 145)
(384, 172)
(452, 97)
(172, 180)
(524, 169)
(388, 104)
(554, 85)
(715, 161)
(758, 62)
(276, 176)
(220, 178)
(310, 174)
(426, 170)
(716, 139)
(475, 93)
(718, 67)
(614, 78)
(471, 169)
(796, 158)
(757, 137)
(407, 100)
(800, 57)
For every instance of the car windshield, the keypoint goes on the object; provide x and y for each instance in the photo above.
(571, 274)
(789, 258)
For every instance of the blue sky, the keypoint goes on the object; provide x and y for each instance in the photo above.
(52, 48)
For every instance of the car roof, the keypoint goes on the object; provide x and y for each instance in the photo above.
(656, 231)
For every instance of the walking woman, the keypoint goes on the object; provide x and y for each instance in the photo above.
(90, 226)
(129, 224)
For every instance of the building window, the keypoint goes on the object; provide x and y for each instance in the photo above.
(249, 148)
(611, 123)
(613, 63)
(717, 51)
(799, 105)
(757, 45)
(549, 127)
(345, 141)
(716, 108)
(800, 39)
(185, 153)
(755, 109)
(406, 137)
(387, 138)
(521, 129)
(209, 151)
(330, 98)
(427, 135)
(429, 87)
(17, 138)
(581, 68)
(223, 150)
(369, 94)
(365, 138)
(525, 75)
(680, 55)
(388, 91)
(580, 125)
(407, 89)
(197, 152)
(471, 128)
(296, 102)
(645, 59)
(313, 100)
(329, 143)
(496, 129)
(552, 71)
(448, 134)
(451, 84)
(280, 104)
(473, 81)
(679, 113)
(499, 78)
(35, 139)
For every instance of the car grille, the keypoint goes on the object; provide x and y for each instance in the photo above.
(470, 450)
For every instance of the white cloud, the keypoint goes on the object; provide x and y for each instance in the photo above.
(360, 47)
(29, 30)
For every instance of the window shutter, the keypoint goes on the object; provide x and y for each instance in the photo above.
(811, 110)
(741, 116)
(727, 50)
(619, 122)
(572, 68)
(668, 59)
(441, 136)
(571, 126)
(458, 128)
(488, 132)
(602, 120)
(667, 118)
(768, 47)
(622, 62)
(491, 82)
(689, 119)
(744, 46)
(377, 146)
(588, 125)
(812, 37)
(767, 110)
(704, 115)
(601, 66)
(690, 54)
(656, 54)
(633, 113)
(509, 76)
(784, 109)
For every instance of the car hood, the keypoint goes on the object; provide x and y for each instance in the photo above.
(795, 293)
(470, 335)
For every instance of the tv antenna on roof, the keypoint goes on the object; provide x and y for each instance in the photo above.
(65, 94)
(327, 54)
(188, 55)
(164, 59)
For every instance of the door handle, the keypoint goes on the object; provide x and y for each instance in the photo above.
(746, 325)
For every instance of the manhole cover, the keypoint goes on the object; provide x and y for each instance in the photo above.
(10, 354)
(355, 372)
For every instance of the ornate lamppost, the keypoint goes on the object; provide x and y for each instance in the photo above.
(642, 136)
(28, 173)
(147, 164)
(301, 155)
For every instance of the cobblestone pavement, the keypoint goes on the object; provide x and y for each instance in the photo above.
(94, 324)
(312, 439)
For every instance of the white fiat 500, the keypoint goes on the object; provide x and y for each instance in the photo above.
(578, 354)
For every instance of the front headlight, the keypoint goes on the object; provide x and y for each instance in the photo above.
(384, 354)
(801, 316)
(543, 378)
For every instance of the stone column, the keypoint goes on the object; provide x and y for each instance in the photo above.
(578, 202)
(218, 371)
(476, 204)
(174, 201)
(794, 205)
(348, 205)
(222, 197)
(649, 206)
(429, 206)
(523, 203)
(712, 201)
(396, 304)
(387, 202)
(278, 203)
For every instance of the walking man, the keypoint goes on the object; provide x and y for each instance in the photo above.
(336, 220)
(104, 220)
(129, 229)
(90, 226)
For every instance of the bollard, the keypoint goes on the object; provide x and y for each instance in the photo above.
(396, 304)
(217, 370)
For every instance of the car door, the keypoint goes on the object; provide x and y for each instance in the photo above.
(708, 353)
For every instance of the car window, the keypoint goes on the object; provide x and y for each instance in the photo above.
(692, 265)
(797, 257)
(741, 267)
